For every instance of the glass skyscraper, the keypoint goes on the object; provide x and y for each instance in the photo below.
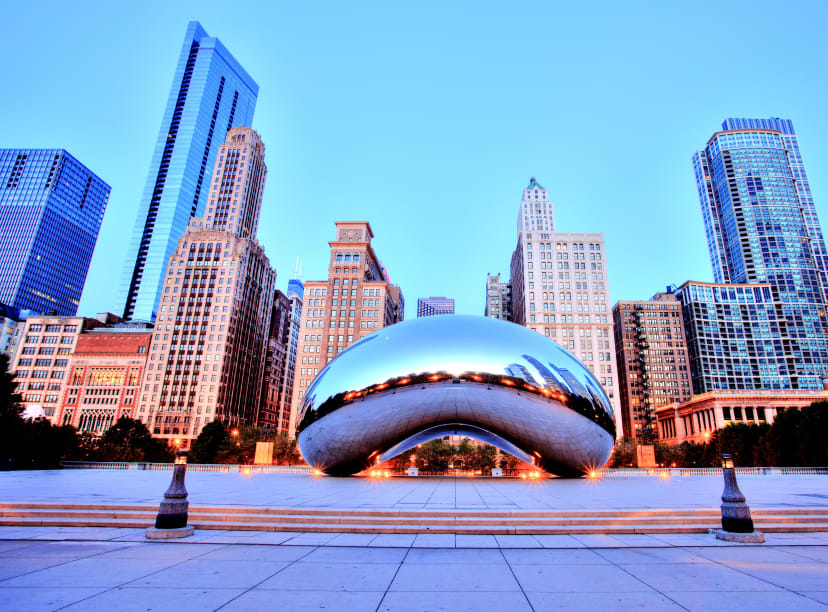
(51, 208)
(210, 93)
(762, 228)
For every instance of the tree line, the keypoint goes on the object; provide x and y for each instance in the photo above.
(797, 438)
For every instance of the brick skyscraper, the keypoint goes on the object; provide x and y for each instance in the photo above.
(208, 350)
(357, 299)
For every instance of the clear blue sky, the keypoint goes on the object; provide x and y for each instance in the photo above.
(428, 118)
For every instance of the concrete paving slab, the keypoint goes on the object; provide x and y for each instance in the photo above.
(131, 599)
(560, 578)
(542, 602)
(796, 577)
(433, 577)
(559, 541)
(455, 601)
(553, 557)
(393, 540)
(11, 567)
(670, 577)
(301, 576)
(305, 601)
(91, 572)
(26, 599)
(651, 555)
(212, 574)
(454, 557)
(257, 552)
(744, 602)
(434, 540)
(475, 541)
(518, 541)
(355, 555)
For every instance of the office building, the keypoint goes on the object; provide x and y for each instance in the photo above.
(357, 299)
(210, 93)
(275, 364)
(766, 247)
(296, 295)
(498, 298)
(41, 360)
(651, 357)
(51, 208)
(430, 306)
(560, 289)
(104, 376)
(207, 355)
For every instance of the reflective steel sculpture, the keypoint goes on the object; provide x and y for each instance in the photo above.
(455, 374)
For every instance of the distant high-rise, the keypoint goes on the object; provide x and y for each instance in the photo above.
(560, 289)
(210, 93)
(651, 355)
(207, 357)
(430, 306)
(357, 299)
(498, 298)
(762, 230)
(51, 208)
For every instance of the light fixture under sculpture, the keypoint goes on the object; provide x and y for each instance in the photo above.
(456, 375)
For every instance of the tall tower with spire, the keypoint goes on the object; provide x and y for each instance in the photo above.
(560, 288)
(210, 339)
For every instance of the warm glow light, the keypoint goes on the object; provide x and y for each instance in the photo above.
(177, 441)
(476, 377)
(435, 377)
(507, 382)
(592, 475)
(523, 475)
(404, 381)
(246, 471)
(665, 474)
(234, 433)
(382, 386)
(317, 472)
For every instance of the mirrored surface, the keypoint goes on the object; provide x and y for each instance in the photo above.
(528, 393)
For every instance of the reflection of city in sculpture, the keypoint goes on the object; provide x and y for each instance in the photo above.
(419, 380)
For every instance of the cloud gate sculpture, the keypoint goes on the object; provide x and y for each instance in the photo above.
(454, 374)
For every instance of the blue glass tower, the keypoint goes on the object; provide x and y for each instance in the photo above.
(210, 93)
(762, 227)
(51, 208)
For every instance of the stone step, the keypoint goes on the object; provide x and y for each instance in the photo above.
(525, 529)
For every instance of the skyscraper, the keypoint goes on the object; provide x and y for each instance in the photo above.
(430, 306)
(559, 288)
(651, 355)
(357, 299)
(207, 356)
(51, 208)
(210, 93)
(498, 298)
(762, 228)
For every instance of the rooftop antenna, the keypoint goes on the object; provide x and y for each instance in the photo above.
(297, 271)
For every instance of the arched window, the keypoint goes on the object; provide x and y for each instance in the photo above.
(339, 257)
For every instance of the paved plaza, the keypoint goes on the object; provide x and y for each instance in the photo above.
(403, 493)
(73, 568)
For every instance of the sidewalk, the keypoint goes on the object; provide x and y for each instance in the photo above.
(116, 569)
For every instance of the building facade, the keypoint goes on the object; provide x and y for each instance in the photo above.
(652, 361)
(275, 364)
(560, 289)
(207, 355)
(357, 299)
(762, 229)
(210, 93)
(296, 295)
(104, 377)
(51, 208)
(430, 306)
(498, 298)
(41, 360)
(696, 420)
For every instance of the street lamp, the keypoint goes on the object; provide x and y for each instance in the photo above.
(737, 525)
(235, 433)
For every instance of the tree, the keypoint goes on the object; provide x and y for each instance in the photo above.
(11, 419)
(210, 441)
(130, 440)
(434, 456)
(285, 450)
(623, 455)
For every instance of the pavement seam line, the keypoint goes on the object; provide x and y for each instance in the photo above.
(393, 578)
(641, 580)
(512, 570)
(245, 592)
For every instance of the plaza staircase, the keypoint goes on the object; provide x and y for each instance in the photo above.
(471, 522)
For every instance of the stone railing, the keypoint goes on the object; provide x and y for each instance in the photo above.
(305, 469)
(191, 467)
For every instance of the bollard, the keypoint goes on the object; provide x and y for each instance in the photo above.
(737, 524)
(171, 521)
